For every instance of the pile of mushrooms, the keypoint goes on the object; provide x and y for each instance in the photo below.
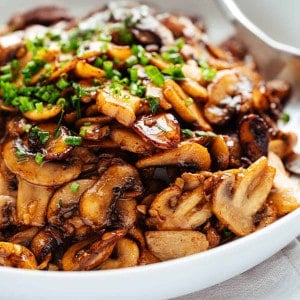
(176, 157)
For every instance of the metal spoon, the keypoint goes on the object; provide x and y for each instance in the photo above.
(274, 59)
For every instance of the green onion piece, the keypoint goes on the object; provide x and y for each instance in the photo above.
(187, 132)
(26, 127)
(39, 107)
(155, 75)
(108, 68)
(130, 61)
(73, 140)
(153, 104)
(6, 69)
(144, 60)
(15, 64)
(43, 136)
(83, 132)
(188, 101)
(98, 62)
(285, 118)
(62, 83)
(174, 72)
(208, 74)
(75, 187)
(6, 77)
(204, 133)
(39, 158)
(133, 72)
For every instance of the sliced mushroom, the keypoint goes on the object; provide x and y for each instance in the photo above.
(237, 197)
(126, 213)
(45, 243)
(64, 202)
(185, 106)
(175, 209)
(186, 154)
(86, 70)
(286, 192)
(17, 256)
(254, 136)
(127, 255)
(98, 202)
(162, 130)
(91, 253)
(46, 174)
(24, 237)
(32, 203)
(46, 113)
(128, 140)
(187, 242)
(121, 106)
(54, 147)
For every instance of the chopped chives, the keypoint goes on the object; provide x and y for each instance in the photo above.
(73, 140)
(75, 187)
(155, 75)
(62, 83)
(39, 158)
(133, 72)
(39, 107)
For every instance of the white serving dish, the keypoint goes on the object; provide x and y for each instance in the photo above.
(172, 278)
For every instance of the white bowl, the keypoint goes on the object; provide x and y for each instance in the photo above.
(176, 277)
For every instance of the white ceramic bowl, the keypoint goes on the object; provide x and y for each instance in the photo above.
(172, 278)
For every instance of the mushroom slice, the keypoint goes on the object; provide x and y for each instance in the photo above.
(161, 130)
(187, 242)
(90, 253)
(184, 105)
(46, 174)
(186, 154)
(45, 243)
(120, 105)
(53, 146)
(286, 191)
(126, 213)
(254, 136)
(98, 202)
(127, 255)
(85, 70)
(64, 202)
(174, 208)
(32, 203)
(94, 132)
(7, 210)
(17, 256)
(24, 237)
(46, 113)
(128, 140)
(237, 197)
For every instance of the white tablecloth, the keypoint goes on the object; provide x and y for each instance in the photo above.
(276, 278)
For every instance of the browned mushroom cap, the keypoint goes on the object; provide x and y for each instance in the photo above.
(238, 196)
(175, 209)
(45, 243)
(97, 203)
(254, 136)
(187, 242)
(47, 174)
(43, 15)
(24, 237)
(90, 253)
(17, 256)
(32, 203)
(130, 141)
(162, 130)
(7, 210)
(65, 201)
(127, 255)
(286, 192)
(126, 214)
(230, 92)
(55, 147)
(47, 113)
(186, 154)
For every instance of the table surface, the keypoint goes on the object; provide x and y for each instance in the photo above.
(276, 278)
